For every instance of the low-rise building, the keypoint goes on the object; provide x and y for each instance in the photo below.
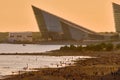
(20, 37)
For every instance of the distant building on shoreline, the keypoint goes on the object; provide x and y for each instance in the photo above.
(116, 10)
(53, 28)
(20, 37)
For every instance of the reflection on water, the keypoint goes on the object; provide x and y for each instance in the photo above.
(28, 48)
(15, 63)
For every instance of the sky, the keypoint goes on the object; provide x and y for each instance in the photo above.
(96, 15)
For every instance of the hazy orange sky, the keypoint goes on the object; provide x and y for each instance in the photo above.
(97, 15)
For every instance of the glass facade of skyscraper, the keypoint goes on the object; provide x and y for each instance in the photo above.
(116, 10)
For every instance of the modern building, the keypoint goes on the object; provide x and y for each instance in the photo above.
(20, 37)
(53, 27)
(116, 10)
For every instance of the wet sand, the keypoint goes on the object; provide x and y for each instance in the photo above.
(105, 67)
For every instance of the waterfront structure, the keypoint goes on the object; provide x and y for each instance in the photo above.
(53, 27)
(116, 10)
(20, 37)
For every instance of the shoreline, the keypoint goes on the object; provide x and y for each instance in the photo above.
(67, 53)
(60, 61)
(105, 67)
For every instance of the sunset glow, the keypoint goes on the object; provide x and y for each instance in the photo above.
(96, 15)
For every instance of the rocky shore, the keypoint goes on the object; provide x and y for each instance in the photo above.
(105, 67)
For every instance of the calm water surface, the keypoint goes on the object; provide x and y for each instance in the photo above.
(10, 64)
(28, 48)
(15, 63)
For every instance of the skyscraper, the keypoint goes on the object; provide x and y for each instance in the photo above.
(116, 10)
